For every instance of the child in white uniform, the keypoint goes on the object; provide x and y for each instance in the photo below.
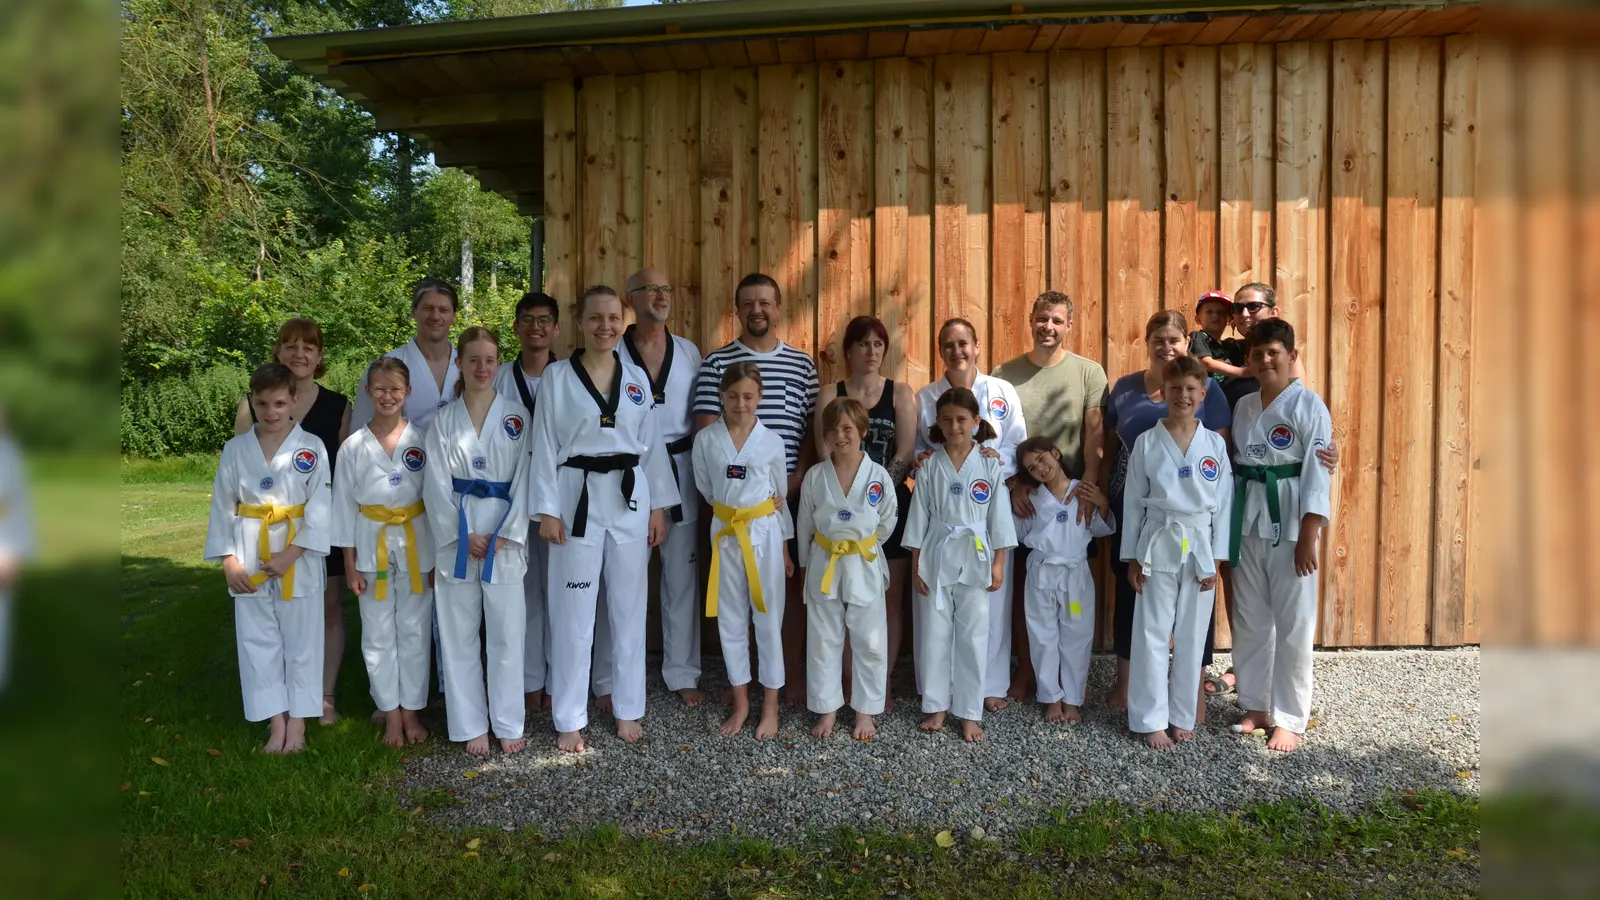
(1175, 514)
(474, 490)
(1058, 594)
(269, 528)
(380, 522)
(1278, 432)
(959, 529)
(739, 466)
(16, 537)
(847, 510)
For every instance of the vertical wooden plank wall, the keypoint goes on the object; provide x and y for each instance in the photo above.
(1133, 178)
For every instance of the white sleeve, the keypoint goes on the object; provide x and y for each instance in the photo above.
(437, 494)
(1222, 519)
(1025, 526)
(361, 408)
(917, 519)
(345, 510)
(1134, 489)
(1002, 525)
(657, 464)
(544, 485)
(803, 524)
(890, 514)
(222, 529)
(1101, 526)
(16, 507)
(778, 467)
(1013, 432)
(515, 528)
(314, 532)
(698, 457)
(1316, 482)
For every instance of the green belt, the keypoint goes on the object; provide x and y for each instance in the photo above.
(1267, 475)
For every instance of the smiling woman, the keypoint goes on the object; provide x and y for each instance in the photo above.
(325, 414)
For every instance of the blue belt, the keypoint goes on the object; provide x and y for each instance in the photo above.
(478, 487)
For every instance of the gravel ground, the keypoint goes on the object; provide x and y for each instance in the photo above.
(1382, 719)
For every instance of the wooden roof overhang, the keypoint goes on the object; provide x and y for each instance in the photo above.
(471, 90)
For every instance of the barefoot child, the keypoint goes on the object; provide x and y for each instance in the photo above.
(739, 467)
(1058, 594)
(848, 508)
(1281, 502)
(269, 528)
(378, 520)
(959, 529)
(1175, 513)
(473, 487)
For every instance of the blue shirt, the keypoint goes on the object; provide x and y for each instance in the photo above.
(1131, 412)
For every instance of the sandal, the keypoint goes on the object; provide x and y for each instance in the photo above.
(1218, 685)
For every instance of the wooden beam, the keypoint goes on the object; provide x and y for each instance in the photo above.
(728, 185)
(466, 109)
(1020, 260)
(844, 206)
(561, 225)
(1077, 192)
(480, 152)
(1246, 179)
(787, 198)
(903, 243)
(961, 193)
(1192, 153)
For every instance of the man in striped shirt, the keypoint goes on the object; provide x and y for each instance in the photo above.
(788, 397)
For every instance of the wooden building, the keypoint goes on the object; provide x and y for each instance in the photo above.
(921, 160)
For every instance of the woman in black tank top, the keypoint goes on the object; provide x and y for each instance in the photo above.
(299, 346)
(890, 442)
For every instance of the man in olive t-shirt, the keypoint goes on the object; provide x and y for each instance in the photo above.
(1063, 394)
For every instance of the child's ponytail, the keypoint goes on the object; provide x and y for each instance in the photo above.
(985, 432)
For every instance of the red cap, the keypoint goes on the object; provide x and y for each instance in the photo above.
(1213, 295)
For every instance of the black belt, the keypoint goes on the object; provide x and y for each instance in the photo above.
(611, 462)
(681, 445)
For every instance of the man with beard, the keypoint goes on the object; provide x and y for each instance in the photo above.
(788, 398)
(672, 363)
(1063, 399)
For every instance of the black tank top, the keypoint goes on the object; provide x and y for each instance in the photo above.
(880, 424)
(323, 420)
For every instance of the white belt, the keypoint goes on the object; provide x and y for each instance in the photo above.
(1062, 574)
(1172, 522)
(979, 534)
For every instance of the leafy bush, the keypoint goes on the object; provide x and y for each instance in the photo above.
(182, 415)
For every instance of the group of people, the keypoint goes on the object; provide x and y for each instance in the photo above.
(507, 514)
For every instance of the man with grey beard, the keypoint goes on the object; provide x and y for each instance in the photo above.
(672, 362)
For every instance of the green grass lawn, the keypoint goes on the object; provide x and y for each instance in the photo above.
(204, 814)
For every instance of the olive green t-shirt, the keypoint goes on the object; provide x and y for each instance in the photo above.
(1054, 399)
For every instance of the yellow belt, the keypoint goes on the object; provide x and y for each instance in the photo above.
(402, 516)
(867, 547)
(737, 523)
(271, 514)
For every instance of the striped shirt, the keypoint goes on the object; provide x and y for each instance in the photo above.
(789, 390)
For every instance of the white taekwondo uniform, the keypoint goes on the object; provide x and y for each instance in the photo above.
(426, 397)
(259, 507)
(841, 536)
(599, 464)
(748, 488)
(378, 511)
(1058, 593)
(474, 484)
(1175, 528)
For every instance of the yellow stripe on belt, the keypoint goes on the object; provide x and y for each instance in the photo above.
(867, 547)
(736, 521)
(402, 516)
(271, 514)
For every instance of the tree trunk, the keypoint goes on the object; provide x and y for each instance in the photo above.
(405, 161)
(466, 266)
(494, 279)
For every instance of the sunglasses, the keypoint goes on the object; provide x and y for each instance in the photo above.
(1252, 307)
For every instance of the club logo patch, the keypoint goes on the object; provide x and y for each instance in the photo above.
(635, 393)
(513, 426)
(414, 458)
(980, 491)
(394, 479)
(955, 490)
(999, 408)
(479, 462)
(1255, 451)
(874, 493)
(304, 461)
(845, 515)
(1062, 516)
(736, 473)
(266, 484)
(1280, 437)
(1209, 469)
(442, 404)
(1185, 472)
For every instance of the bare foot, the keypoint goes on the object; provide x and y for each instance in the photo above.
(629, 730)
(1019, 689)
(294, 735)
(994, 704)
(478, 746)
(1249, 722)
(1158, 740)
(330, 715)
(1182, 734)
(825, 725)
(971, 732)
(934, 722)
(866, 728)
(1117, 697)
(512, 745)
(1071, 714)
(1283, 740)
(394, 733)
(570, 742)
(533, 700)
(378, 717)
(276, 726)
(691, 697)
(1055, 713)
(734, 723)
(603, 703)
(412, 726)
(767, 728)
